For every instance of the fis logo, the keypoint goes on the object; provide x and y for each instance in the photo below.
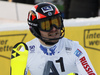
(47, 9)
(32, 48)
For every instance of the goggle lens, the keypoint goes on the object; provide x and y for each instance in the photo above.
(47, 24)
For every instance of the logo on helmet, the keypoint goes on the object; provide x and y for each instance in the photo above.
(49, 13)
(47, 9)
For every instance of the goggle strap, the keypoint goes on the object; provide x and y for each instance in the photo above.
(32, 24)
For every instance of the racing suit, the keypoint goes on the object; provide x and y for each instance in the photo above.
(64, 57)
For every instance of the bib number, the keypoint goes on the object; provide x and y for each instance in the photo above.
(50, 68)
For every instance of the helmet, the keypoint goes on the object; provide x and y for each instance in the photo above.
(44, 16)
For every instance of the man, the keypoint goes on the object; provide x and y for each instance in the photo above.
(50, 53)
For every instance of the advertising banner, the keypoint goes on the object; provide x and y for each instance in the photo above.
(89, 38)
(7, 40)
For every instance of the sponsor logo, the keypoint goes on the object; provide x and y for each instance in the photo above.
(77, 52)
(68, 48)
(7, 42)
(49, 14)
(86, 66)
(47, 9)
(32, 24)
(48, 51)
(32, 49)
(92, 38)
(14, 54)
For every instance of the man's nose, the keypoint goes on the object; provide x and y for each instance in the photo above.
(54, 29)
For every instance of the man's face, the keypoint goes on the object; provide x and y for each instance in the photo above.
(54, 33)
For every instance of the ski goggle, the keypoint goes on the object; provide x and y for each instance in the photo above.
(47, 24)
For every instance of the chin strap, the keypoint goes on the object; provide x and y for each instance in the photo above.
(49, 43)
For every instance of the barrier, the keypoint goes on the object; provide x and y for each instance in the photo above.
(10, 34)
(86, 31)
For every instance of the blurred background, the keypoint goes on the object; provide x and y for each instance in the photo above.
(70, 8)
